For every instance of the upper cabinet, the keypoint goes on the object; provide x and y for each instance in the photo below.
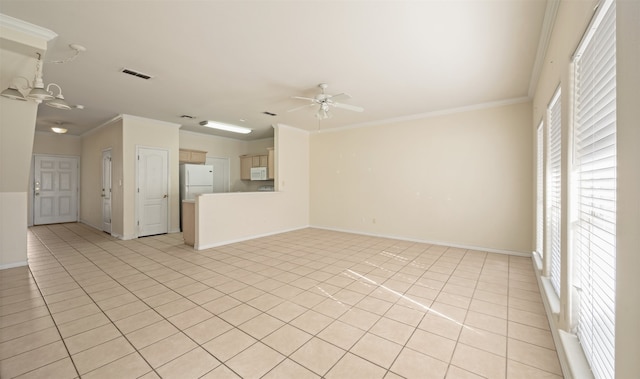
(246, 162)
(193, 156)
(249, 161)
(271, 164)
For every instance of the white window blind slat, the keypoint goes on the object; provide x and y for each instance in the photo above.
(539, 190)
(594, 171)
(554, 149)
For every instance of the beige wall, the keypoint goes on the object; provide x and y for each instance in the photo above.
(221, 147)
(572, 20)
(57, 144)
(144, 132)
(106, 137)
(228, 217)
(17, 128)
(461, 179)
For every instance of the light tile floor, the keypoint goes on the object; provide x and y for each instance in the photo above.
(305, 304)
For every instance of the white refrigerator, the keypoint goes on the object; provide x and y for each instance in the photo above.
(194, 180)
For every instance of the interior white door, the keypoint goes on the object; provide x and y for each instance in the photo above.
(153, 190)
(106, 190)
(220, 173)
(55, 189)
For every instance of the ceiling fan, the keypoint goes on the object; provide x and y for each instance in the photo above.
(326, 101)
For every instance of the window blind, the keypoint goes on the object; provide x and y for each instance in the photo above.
(554, 172)
(539, 190)
(594, 171)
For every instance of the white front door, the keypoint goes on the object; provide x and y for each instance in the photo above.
(153, 190)
(55, 189)
(106, 190)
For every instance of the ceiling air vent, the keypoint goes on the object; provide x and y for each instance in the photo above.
(136, 74)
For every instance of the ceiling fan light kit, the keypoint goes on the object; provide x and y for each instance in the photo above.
(225, 127)
(36, 91)
(325, 102)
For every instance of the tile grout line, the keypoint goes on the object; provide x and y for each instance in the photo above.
(142, 300)
(298, 256)
(101, 310)
(47, 305)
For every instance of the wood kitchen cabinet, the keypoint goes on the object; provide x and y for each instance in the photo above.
(247, 162)
(192, 156)
(271, 173)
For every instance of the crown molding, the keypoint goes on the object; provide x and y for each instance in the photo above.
(26, 28)
(443, 112)
(543, 43)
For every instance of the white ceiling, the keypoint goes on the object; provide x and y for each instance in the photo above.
(232, 60)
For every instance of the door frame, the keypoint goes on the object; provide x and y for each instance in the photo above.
(136, 205)
(32, 178)
(110, 151)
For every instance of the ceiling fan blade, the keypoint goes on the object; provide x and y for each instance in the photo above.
(348, 107)
(301, 107)
(340, 96)
(303, 98)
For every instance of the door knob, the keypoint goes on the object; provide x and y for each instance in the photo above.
(164, 197)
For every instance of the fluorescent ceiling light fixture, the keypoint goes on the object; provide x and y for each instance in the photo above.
(225, 127)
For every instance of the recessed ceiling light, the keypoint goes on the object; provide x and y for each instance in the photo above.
(225, 127)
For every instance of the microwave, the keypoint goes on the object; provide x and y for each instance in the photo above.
(258, 173)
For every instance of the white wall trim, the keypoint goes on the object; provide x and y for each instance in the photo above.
(543, 43)
(217, 244)
(441, 243)
(13, 265)
(26, 28)
(419, 116)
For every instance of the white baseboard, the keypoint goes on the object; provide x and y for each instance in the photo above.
(441, 243)
(13, 265)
